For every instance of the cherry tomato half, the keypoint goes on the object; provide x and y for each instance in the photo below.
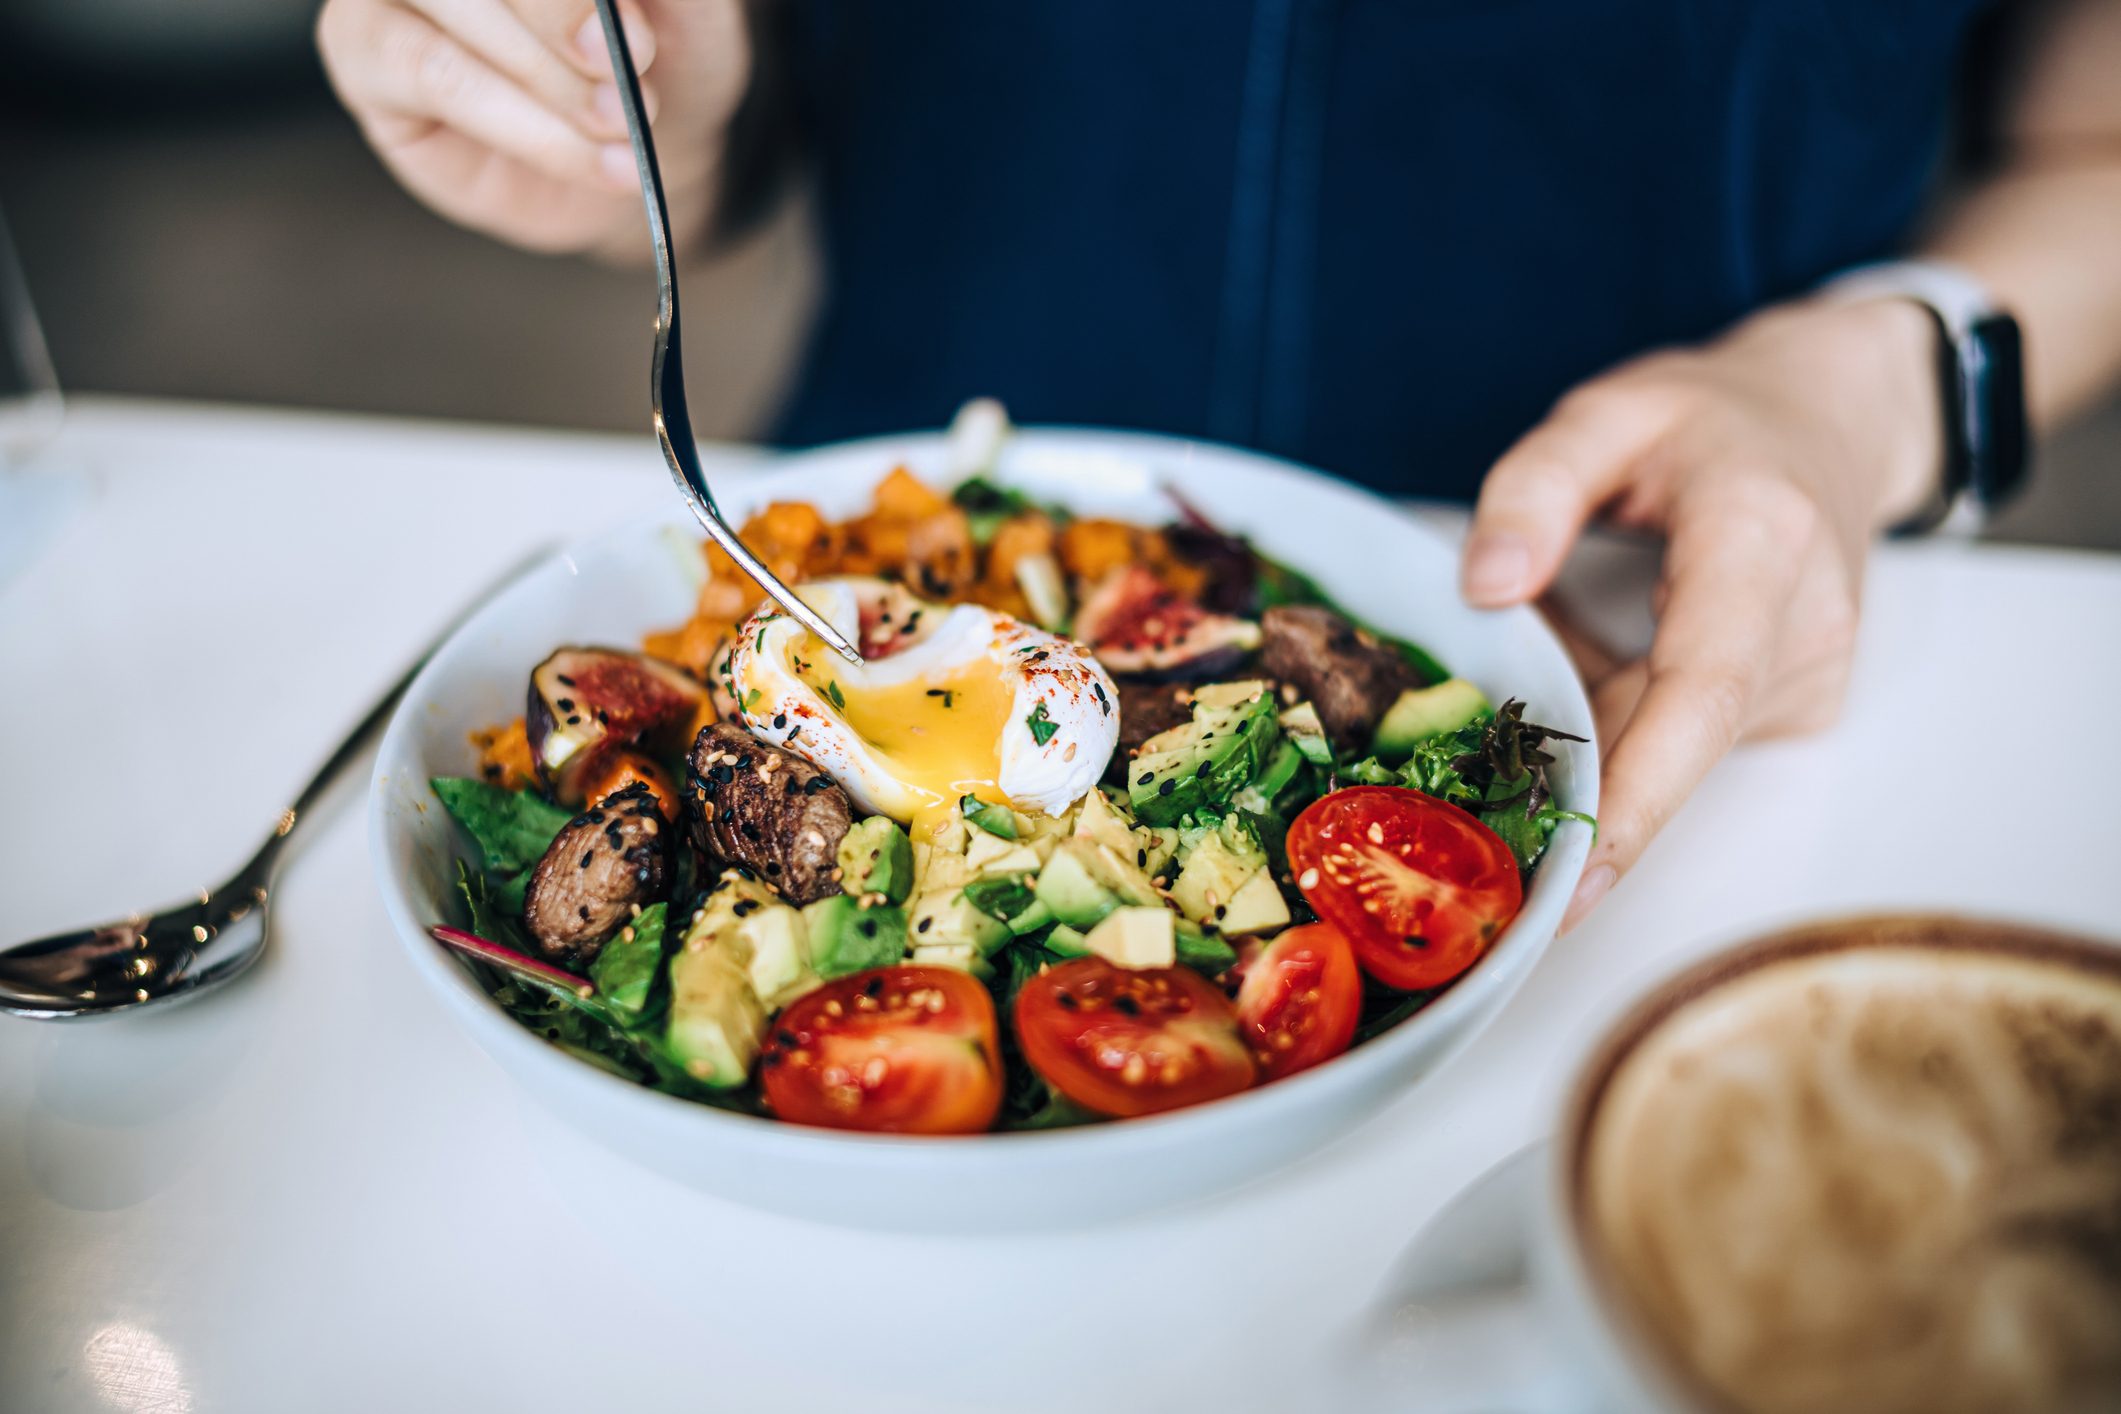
(1419, 886)
(908, 1050)
(1299, 1000)
(1131, 1041)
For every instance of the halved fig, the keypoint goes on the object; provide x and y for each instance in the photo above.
(588, 703)
(1133, 623)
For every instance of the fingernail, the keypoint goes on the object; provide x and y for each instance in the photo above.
(1495, 570)
(589, 39)
(617, 161)
(1592, 887)
(640, 40)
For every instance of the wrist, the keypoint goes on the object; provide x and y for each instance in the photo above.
(1894, 352)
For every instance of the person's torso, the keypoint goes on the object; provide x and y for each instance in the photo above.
(1379, 236)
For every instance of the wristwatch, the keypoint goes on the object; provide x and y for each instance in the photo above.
(1981, 380)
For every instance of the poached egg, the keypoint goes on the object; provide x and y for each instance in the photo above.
(952, 700)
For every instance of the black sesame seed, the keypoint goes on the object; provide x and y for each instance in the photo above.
(1126, 1006)
(1067, 1001)
(773, 869)
(780, 720)
(788, 1039)
(744, 907)
(566, 681)
(922, 926)
(587, 855)
(874, 987)
(1170, 784)
(1141, 858)
(567, 704)
(582, 912)
(867, 927)
(574, 719)
(1144, 778)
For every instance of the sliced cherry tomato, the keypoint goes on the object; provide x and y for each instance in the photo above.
(909, 1050)
(1131, 1041)
(1419, 886)
(1299, 1000)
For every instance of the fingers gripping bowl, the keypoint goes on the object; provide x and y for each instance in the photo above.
(1375, 564)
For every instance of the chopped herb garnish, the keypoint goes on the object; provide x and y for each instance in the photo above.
(839, 699)
(1042, 726)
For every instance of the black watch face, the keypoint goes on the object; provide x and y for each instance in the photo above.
(1993, 368)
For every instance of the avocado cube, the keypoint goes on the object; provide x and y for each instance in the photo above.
(875, 857)
(1300, 724)
(1066, 941)
(1212, 876)
(1256, 907)
(777, 945)
(949, 919)
(845, 937)
(964, 958)
(1423, 712)
(1068, 885)
(1135, 937)
(716, 1020)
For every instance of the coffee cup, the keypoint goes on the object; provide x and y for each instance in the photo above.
(1866, 1164)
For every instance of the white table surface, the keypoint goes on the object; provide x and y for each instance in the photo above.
(313, 1193)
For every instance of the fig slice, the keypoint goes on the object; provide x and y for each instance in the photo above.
(1133, 623)
(588, 704)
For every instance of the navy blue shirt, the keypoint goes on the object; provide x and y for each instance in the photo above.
(1379, 236)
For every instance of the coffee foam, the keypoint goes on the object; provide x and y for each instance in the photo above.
(1880, 1179)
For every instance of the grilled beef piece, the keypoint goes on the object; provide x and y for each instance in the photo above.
(610, 858)
(1146, 708)
(767, 809)
(1346, 673)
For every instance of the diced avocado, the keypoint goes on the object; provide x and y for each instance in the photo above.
(776, 944)
(1281, 769)
(949, 919)
(941, 872)
(875, 857)
(963, 957)
(1219, 866)
(1135, 937)
(1014, 862)
(716, 1019)
(1066, 941)
(1301, 726)
(1012, 901)
(846, 937)
(994, 819)
(1423, 712)
(1068, 887)
(1217, 696)
(941, 827)
(1202, 764)
(1101, 822)
(1256, 907)
(1201, 951)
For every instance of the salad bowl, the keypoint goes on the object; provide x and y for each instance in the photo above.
(1382, 566)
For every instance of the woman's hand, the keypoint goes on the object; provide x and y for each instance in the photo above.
(1768, 460)
(503, 115)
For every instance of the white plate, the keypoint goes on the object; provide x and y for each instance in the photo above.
(614, 587)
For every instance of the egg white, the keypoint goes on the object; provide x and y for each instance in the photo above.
(1035, 668)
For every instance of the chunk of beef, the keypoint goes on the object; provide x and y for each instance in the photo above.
(608, 861)
(1348, 675)
(757, 805)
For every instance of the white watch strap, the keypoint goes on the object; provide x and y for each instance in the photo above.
(1958, 298)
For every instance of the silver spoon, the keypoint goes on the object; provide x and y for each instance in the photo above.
(666, 387)
(202, 943)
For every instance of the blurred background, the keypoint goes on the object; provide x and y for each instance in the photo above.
(198, 218)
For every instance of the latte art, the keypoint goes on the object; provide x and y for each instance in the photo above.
(1881, 1178)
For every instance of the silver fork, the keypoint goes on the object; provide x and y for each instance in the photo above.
(666, 390)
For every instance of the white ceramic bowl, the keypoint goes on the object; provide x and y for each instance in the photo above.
(616, 586)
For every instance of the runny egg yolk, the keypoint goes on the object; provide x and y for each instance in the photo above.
(939, 737)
